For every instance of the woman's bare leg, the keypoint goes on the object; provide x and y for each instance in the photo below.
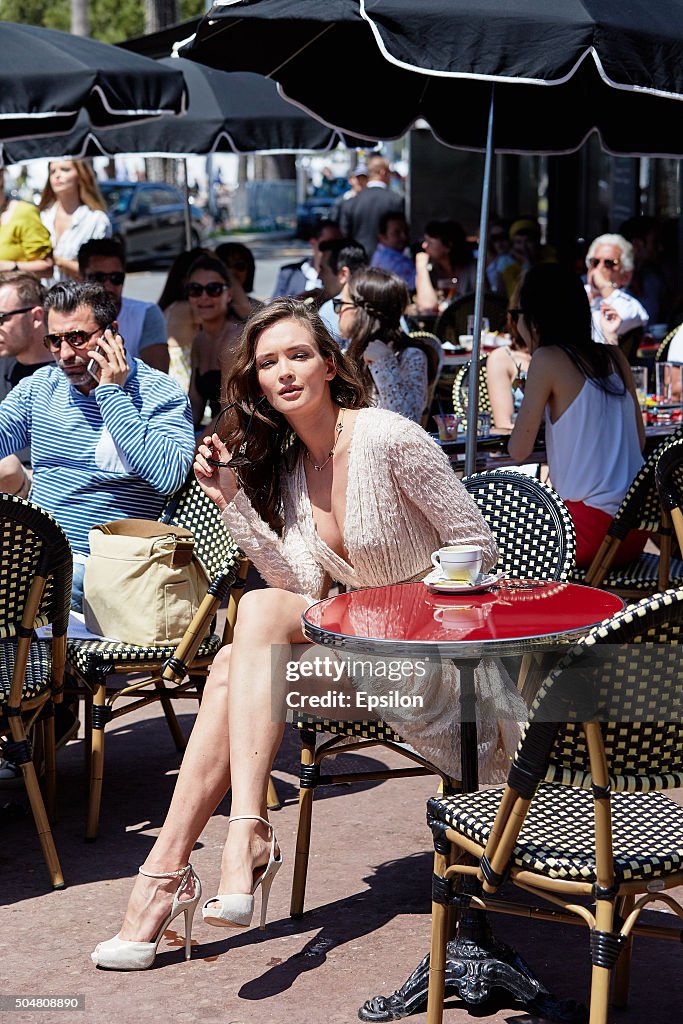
(204, 776)
(269, 624)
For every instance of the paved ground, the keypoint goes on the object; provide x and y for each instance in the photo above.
(366, 926)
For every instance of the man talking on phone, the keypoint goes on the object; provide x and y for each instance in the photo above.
(109, 436)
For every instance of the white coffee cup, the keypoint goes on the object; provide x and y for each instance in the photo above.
(460, 562)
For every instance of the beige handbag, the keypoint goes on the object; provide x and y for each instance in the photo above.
(142, 583)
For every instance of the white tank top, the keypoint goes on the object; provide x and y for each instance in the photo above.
(593, 448)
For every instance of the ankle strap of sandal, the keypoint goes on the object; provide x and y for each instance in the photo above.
(251, 817)
(165, 874)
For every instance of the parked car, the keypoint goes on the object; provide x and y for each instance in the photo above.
(320, 205)
(149, 217)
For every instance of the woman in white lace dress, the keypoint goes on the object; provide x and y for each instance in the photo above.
(397, 369)
(326, 488)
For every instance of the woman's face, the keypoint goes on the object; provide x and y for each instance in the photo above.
(292, 374)
(212, 304)
(63, 177)
(435, 249)
(347, 313)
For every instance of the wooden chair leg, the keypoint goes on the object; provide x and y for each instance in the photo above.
(50, 758)
(600, 976)
(42, 825)
(273, 801)
(171, 719)
(96, 763)
(303, 832)
(437, 951)
(622, 972)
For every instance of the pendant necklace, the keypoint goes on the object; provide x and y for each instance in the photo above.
(338, 429)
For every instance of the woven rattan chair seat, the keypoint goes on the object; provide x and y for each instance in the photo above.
(558, 837)
(642, 574)
(103, 656)
(37, 678)
(369, 730)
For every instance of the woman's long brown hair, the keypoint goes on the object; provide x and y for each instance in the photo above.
(88, 189)
(254, 429)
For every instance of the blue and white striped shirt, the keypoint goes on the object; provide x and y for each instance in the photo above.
(112, 454)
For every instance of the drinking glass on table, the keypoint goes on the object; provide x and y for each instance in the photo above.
(639, 374)
(668, 382)
(485, 325)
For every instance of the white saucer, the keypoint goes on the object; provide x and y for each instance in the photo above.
(438, 583)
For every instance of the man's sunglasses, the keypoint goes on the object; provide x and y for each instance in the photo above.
(74, 339)
(213, 289)
(515, 314)
(13, 312)
(117, 277)
(607, 264)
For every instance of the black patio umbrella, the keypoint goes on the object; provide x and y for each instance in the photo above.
(47, 78)
(507, 75)
(561, 68)
(228, 112)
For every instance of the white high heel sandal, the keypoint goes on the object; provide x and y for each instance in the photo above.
(237, 909)
(123, 955)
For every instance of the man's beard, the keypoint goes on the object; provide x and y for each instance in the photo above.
(76, 380)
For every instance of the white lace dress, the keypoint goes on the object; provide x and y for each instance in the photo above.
(401, 382)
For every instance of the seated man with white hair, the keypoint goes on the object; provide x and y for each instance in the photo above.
(610, 268)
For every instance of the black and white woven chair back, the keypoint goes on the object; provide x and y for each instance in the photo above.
(640, 508)
(669, 475)
(461, 386)
(626, 674)
(530, 524)
(214, 547)
(32, 543)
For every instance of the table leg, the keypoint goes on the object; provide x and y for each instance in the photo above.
(476, 963)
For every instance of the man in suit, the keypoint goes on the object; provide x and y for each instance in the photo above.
(297, 279)
(360, 217)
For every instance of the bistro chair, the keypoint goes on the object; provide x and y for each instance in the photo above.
(582, 817)
(662, 353)
(669, 477)
(431, 346)
(641, 509)
(461, 386)
(452, 322)
(535, 538)
(531, 525)
(160, 674)
(36, 591)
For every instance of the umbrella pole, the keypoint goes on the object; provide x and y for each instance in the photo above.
(473, 396)
(187, 213)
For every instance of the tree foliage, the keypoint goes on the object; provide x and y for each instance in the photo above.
(110, 20)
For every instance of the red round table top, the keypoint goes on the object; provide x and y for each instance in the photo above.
(409, 616)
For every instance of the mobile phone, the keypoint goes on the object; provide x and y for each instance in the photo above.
(93, 367)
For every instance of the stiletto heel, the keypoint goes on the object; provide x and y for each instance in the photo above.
(124, 955)
(237, 909)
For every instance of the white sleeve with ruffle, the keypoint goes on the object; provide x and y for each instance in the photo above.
(284, 562)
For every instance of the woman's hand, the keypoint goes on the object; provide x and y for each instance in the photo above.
(610, 322)
(376, 350)
(221, 485)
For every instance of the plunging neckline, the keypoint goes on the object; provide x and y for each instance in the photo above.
(332, 555)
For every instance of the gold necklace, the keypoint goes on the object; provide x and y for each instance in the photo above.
(337, 431)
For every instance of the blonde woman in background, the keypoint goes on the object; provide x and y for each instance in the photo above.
(73, 211)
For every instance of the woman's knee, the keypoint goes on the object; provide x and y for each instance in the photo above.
(269, 613)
